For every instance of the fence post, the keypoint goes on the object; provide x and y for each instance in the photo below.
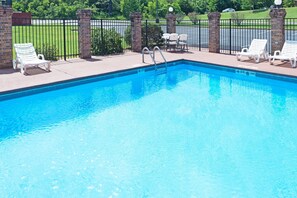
(5, 37)
(277, 17)
(84, 33)
(230, 36)
(146, 32)
(102, 36)
(214, 32)
(171, 23)
(64, 39)
(199, 35)
(136, 31)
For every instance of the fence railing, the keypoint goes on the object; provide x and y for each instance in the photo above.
(236, 34)
(152, 33)
(108, 36)
(57, 39)
(291, 29)
(197, 33)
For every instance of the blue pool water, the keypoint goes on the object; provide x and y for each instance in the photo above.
(194, 132)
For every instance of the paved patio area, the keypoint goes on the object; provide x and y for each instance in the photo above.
(75, 68)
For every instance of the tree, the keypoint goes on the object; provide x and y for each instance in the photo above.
(213, 5)
(194, 17)
(179, 17)
(289, 3)
(185, 6)
(129, 6)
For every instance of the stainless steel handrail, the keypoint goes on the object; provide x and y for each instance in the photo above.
(150, 53)
(153, 55)
(156, 48)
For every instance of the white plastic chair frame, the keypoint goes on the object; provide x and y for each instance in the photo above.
(26, 57)
(255, 51)
(172, 41)
(183, 42)
(288, 53)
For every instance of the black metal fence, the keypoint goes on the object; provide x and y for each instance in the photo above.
(108, 36)
(236, 34)
(197, 33)
(291, 29)
(56, 39)
(152, 33)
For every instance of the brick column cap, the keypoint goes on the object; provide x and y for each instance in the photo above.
(84, 13)
(214, 15)
(170, 16)
(135, 15)
(277, 13)
(8, 10)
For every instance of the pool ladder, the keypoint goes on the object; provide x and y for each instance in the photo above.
(159, 70)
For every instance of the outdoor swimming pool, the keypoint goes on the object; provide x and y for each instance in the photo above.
(198, 131)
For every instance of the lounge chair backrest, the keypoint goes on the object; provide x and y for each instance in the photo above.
(257, 45)
(173, 37)
(25, 51)
(183, 37)
(290, 47)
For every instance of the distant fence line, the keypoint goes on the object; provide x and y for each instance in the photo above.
(60, 36)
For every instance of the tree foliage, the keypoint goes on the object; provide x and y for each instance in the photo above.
(148, 8)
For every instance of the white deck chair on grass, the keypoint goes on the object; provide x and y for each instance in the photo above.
(288, 53)
(26, 57)
(255, 51)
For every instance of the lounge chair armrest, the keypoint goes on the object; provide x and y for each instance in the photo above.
(41, 56)
(277, 52)
(244, 49)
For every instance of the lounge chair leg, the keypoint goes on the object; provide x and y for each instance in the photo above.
(14, 64)
(23, 70)
(48, 67)
(237, 57)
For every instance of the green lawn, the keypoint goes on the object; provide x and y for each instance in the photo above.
(51, 37)
(48, 35)
(291, 13)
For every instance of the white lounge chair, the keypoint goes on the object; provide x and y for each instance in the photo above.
(288, 53)
(255, 51)
(183, 42)
(26, 57)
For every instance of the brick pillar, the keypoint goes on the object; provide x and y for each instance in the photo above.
(136, 31)
(277, 28)
(84, 33)
(171, 23)
(214, 32)
(5, 37)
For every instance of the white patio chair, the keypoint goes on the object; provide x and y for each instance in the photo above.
(183, 42)
(26, 57)
(172, 41)
(288, 53)
(255, 51)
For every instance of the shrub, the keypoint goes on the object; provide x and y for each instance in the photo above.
(179, 17)
(237, 18)
(50, 52)
(194, 17)
(154, 35)
(110, 44)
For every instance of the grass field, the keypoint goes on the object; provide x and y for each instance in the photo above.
(48, 35)
(50, 39)
(291, 13)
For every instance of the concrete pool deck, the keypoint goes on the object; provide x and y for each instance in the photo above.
(75, 68)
